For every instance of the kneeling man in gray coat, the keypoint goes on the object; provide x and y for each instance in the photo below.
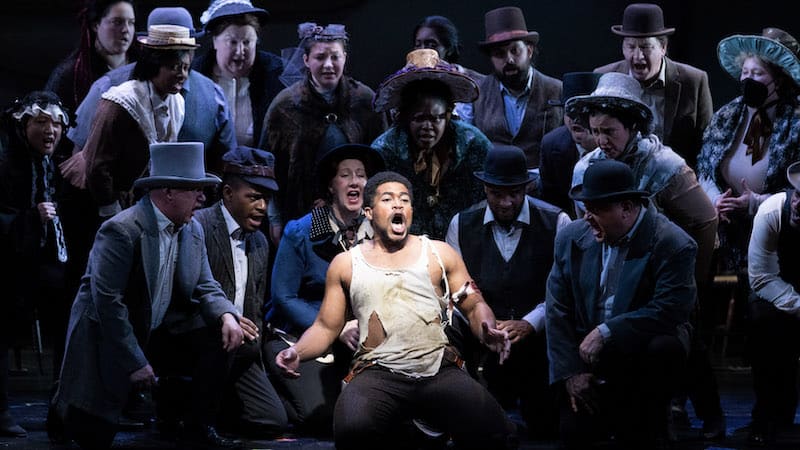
(147, 300)
(618, 302)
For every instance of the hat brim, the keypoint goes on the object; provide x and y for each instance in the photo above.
(237, 10)
(372, 160)
(176, 46)
(197, 34)
(176, 182)
(617, 29)
(730, 48)
(577, 103)
(266, 183)
(463, 88)
(576, 193)
(532, 37)
(481, 175)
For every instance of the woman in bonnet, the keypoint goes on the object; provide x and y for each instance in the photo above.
(321, 109)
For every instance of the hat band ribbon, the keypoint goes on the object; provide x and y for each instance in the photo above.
(156, 41)
(506, 35)
(257, 171)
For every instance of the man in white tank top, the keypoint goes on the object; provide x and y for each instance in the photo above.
(396, 285)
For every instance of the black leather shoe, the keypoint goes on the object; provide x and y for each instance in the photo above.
(207, 436)
(9, 428)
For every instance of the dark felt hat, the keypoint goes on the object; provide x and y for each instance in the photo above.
(576, 83)
(177, 165)
(505, 165)
(607, 180)
(373, 161)
(504, 25)
(642, 20)
(253, 165)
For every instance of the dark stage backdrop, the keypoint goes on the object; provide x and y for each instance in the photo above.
(575, 34)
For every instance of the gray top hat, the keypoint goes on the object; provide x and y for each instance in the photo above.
(177, 165)
(615, 91)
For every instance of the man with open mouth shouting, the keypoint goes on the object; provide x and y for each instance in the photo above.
(396, 285)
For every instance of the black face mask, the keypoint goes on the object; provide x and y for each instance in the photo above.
(753, 92)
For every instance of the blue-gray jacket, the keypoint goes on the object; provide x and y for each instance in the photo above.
(207, 119)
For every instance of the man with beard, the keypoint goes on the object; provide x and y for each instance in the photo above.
(774, 333)
(617, 310)
(239, 257)
(507, 244)
(678, 94)
(513, 106)
(396, 285)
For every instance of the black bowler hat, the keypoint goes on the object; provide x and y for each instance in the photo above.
(642, 20)
(505, 165)
(253, 165)
(607, 180)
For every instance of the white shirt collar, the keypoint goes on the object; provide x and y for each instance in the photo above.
(156, 102)
(523, 217)
(662, 74)
(230, 222)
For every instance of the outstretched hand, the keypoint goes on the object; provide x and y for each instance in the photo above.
(496, 340)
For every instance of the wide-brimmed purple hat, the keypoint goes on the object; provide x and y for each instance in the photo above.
(219, 9)
(424, 64)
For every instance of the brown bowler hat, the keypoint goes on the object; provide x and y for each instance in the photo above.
(505, 25)
(642, 20)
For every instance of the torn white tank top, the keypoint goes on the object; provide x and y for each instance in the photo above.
(409, 310)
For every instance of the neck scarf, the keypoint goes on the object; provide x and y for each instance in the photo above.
(758, 133)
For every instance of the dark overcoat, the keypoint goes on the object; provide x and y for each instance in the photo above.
(655, 295)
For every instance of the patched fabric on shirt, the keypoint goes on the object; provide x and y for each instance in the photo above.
(409, 310)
